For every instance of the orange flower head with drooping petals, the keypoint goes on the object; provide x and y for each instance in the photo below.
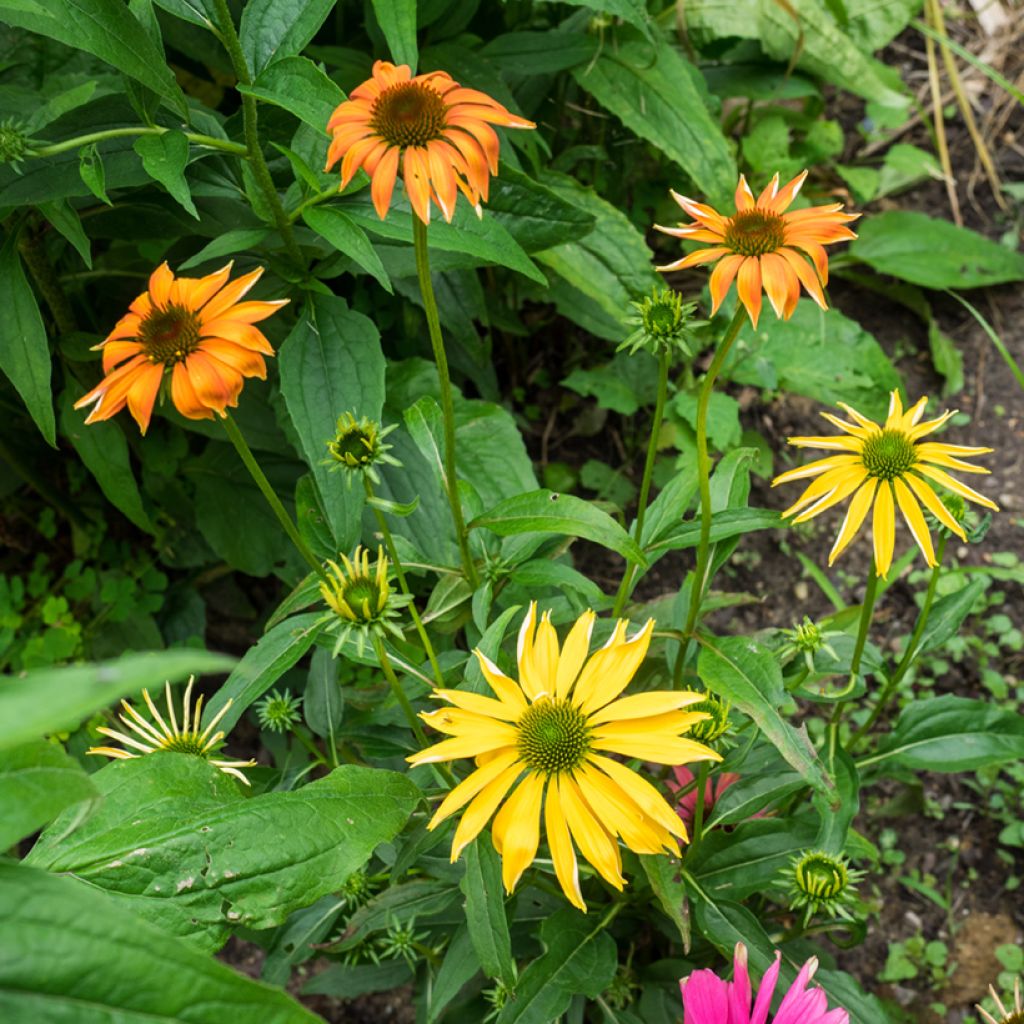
(440, 131)
(762, 247)
(196, 328)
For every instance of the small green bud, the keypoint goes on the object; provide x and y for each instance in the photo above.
(358, 446)
(820, 881)
(663, 323)
(716, 724)
(15, 145)
(278, 712)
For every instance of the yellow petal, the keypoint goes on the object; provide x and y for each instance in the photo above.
(931, 501)
(858, 418)
(457, 722)
(507, 690)
(609, 671)
(643, 705)
(563, 856)
(574, 653)
(814, 468)
(539, 663)
(929, 426)
(840, 492)
(953, 449)
(516, 829)
(464, 746)
(479, 704)
(620, 815)
(821, 488)
(935, 453)
(883, 526)
(913, 414)
(524, 645)
(594, 842)
(915, 520)
(642, 793)
(661, 749)
(846, 444)
(668, 722)
(954, 485)
(855, 514)
(470, 786)
(478, 813)
(894, 420)
(850, 428)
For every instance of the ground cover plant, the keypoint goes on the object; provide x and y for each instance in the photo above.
(417, 601)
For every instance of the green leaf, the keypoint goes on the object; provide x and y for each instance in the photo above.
(663, 874)
(544, 511)
(348, 981)
(24, 350)
(490, 453)
(485, 911)
(632, 11)
(458, 967)
(231, 242)
(106, 29)
(90, 167)
(484, 240)
(297, 85)
(165, 157)
(176, 846)
(263, 664)
(751, 794)
(338, 228)
(948, 614)
(273, 29)
(55, 699)
(951, 734)
(332, 363)
(934, 253)
(199, 12)
(819, 354)
(397, 20)
(65, 219)
(658, 94)
(37, 781)
(69, 953)
(730, 522)
(104, 450)
(323, 702)
(579, 958)
(539, 53)
(748, 675)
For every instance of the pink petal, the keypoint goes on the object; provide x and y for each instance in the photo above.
(705, 998)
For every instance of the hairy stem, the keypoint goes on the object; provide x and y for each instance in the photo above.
(419, 233)
(119, 133)
(645, 484)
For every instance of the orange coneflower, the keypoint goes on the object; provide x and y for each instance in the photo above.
(758, 246)
(441, 131)
(195, 327)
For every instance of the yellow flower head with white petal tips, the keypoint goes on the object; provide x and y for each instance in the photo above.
(554, 730)
(887, 466)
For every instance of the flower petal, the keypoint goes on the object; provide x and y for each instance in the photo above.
(516, 829)
(883, 527)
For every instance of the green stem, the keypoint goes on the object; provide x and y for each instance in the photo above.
(30, 245)
(419, 234)
(229, 37)
(889, 690)
(704, 466)
(311, 746)
(389, 543)
(286, 521)
(645, 483)
(698, 808)
(313, 200)
(119, 133)
(866, 611)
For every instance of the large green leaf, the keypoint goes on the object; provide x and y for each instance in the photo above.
(338, 228)
(951, 734)
(104, 28)
(181, 846)
(948, 613)
(730, 522)
(820, 354)
(397, 20)
(332, 363)
(297, 85)
(579, 958)
(748, 675)
(70, 954)
(934, 253)
(263, 664)
(51, 699)
(165, 157)
(485, 911)
(607, 267)
(544, 511)
(37, 780)
(658, 94)
(104, 450)
(24, 350)
(273, 29)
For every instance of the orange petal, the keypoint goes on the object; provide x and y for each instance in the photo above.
(356, 155)
(442, 176)
(111, 393)
(216, 386)
(223, 300)
(184, 396)
(744, 197)
(776, 277)
(244, 360)
(722, 277)
(484, 134)
(768, 193)
(239, 333)
(195, 293)
(383, 185)
(788, 193)
(251, 312)
(126, 327)
(748, 287)
(160, 282)
(817, 254)
(416, 176)
(708, 216)
(142, 393)
(115, 352)
(694, 259)
(807, 277)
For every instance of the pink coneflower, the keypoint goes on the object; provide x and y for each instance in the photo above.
(707, 999)
(714, 787)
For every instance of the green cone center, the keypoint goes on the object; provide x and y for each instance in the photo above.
(187, 744)
(753, 233)
(409, 114)
(888, 454)
(821, 877)
(169, 335)
(353, 447)
(363, 597)
(553, 736)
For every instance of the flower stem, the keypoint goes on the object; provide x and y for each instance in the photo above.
(704, 466)
(55, 148)
(229, 37)
(866, 611)
(419, 234)
(698, 807)
(286, 521)
(912, 648)
(645, 483)
(389, 543)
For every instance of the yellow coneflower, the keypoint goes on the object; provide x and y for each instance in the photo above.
(555, 729)
(149, 738)
(887, 466)
(758, 246)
